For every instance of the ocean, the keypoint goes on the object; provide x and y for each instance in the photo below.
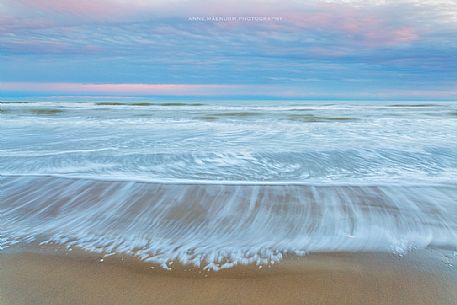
(221, 183)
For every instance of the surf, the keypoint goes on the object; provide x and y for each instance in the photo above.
(218, 226)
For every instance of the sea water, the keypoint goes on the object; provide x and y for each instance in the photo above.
(220, 183)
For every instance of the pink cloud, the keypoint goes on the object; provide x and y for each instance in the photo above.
(116, 89)
(82, 7)
(449, 92)
(368, 25)
(154, 89)
(366, 28)
(10, 23)
(65, 11)
(82, 89)
(405, 35)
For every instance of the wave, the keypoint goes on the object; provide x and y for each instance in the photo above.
(146, 104)
(222, 225)
(355, 166)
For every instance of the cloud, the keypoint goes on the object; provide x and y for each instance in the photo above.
(116, 89)
(387, 43)
(220, 90)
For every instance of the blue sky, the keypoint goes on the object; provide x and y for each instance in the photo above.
(299, 49)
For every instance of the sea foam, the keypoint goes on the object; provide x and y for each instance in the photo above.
(218, 226)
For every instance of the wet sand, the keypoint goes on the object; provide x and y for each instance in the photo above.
(39, 277)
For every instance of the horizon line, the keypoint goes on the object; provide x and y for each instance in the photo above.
(216, 91)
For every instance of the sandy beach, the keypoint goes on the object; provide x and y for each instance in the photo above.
(38, 276)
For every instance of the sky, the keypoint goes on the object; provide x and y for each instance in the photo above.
(315, 49)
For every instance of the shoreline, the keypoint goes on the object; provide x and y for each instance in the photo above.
(48, 275)
(225, 224)
(58, 235)
(241, 183)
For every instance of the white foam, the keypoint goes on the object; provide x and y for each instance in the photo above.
(219, 226)
(240, 143)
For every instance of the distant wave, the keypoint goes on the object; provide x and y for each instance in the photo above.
(146, 104)
(257, 142)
